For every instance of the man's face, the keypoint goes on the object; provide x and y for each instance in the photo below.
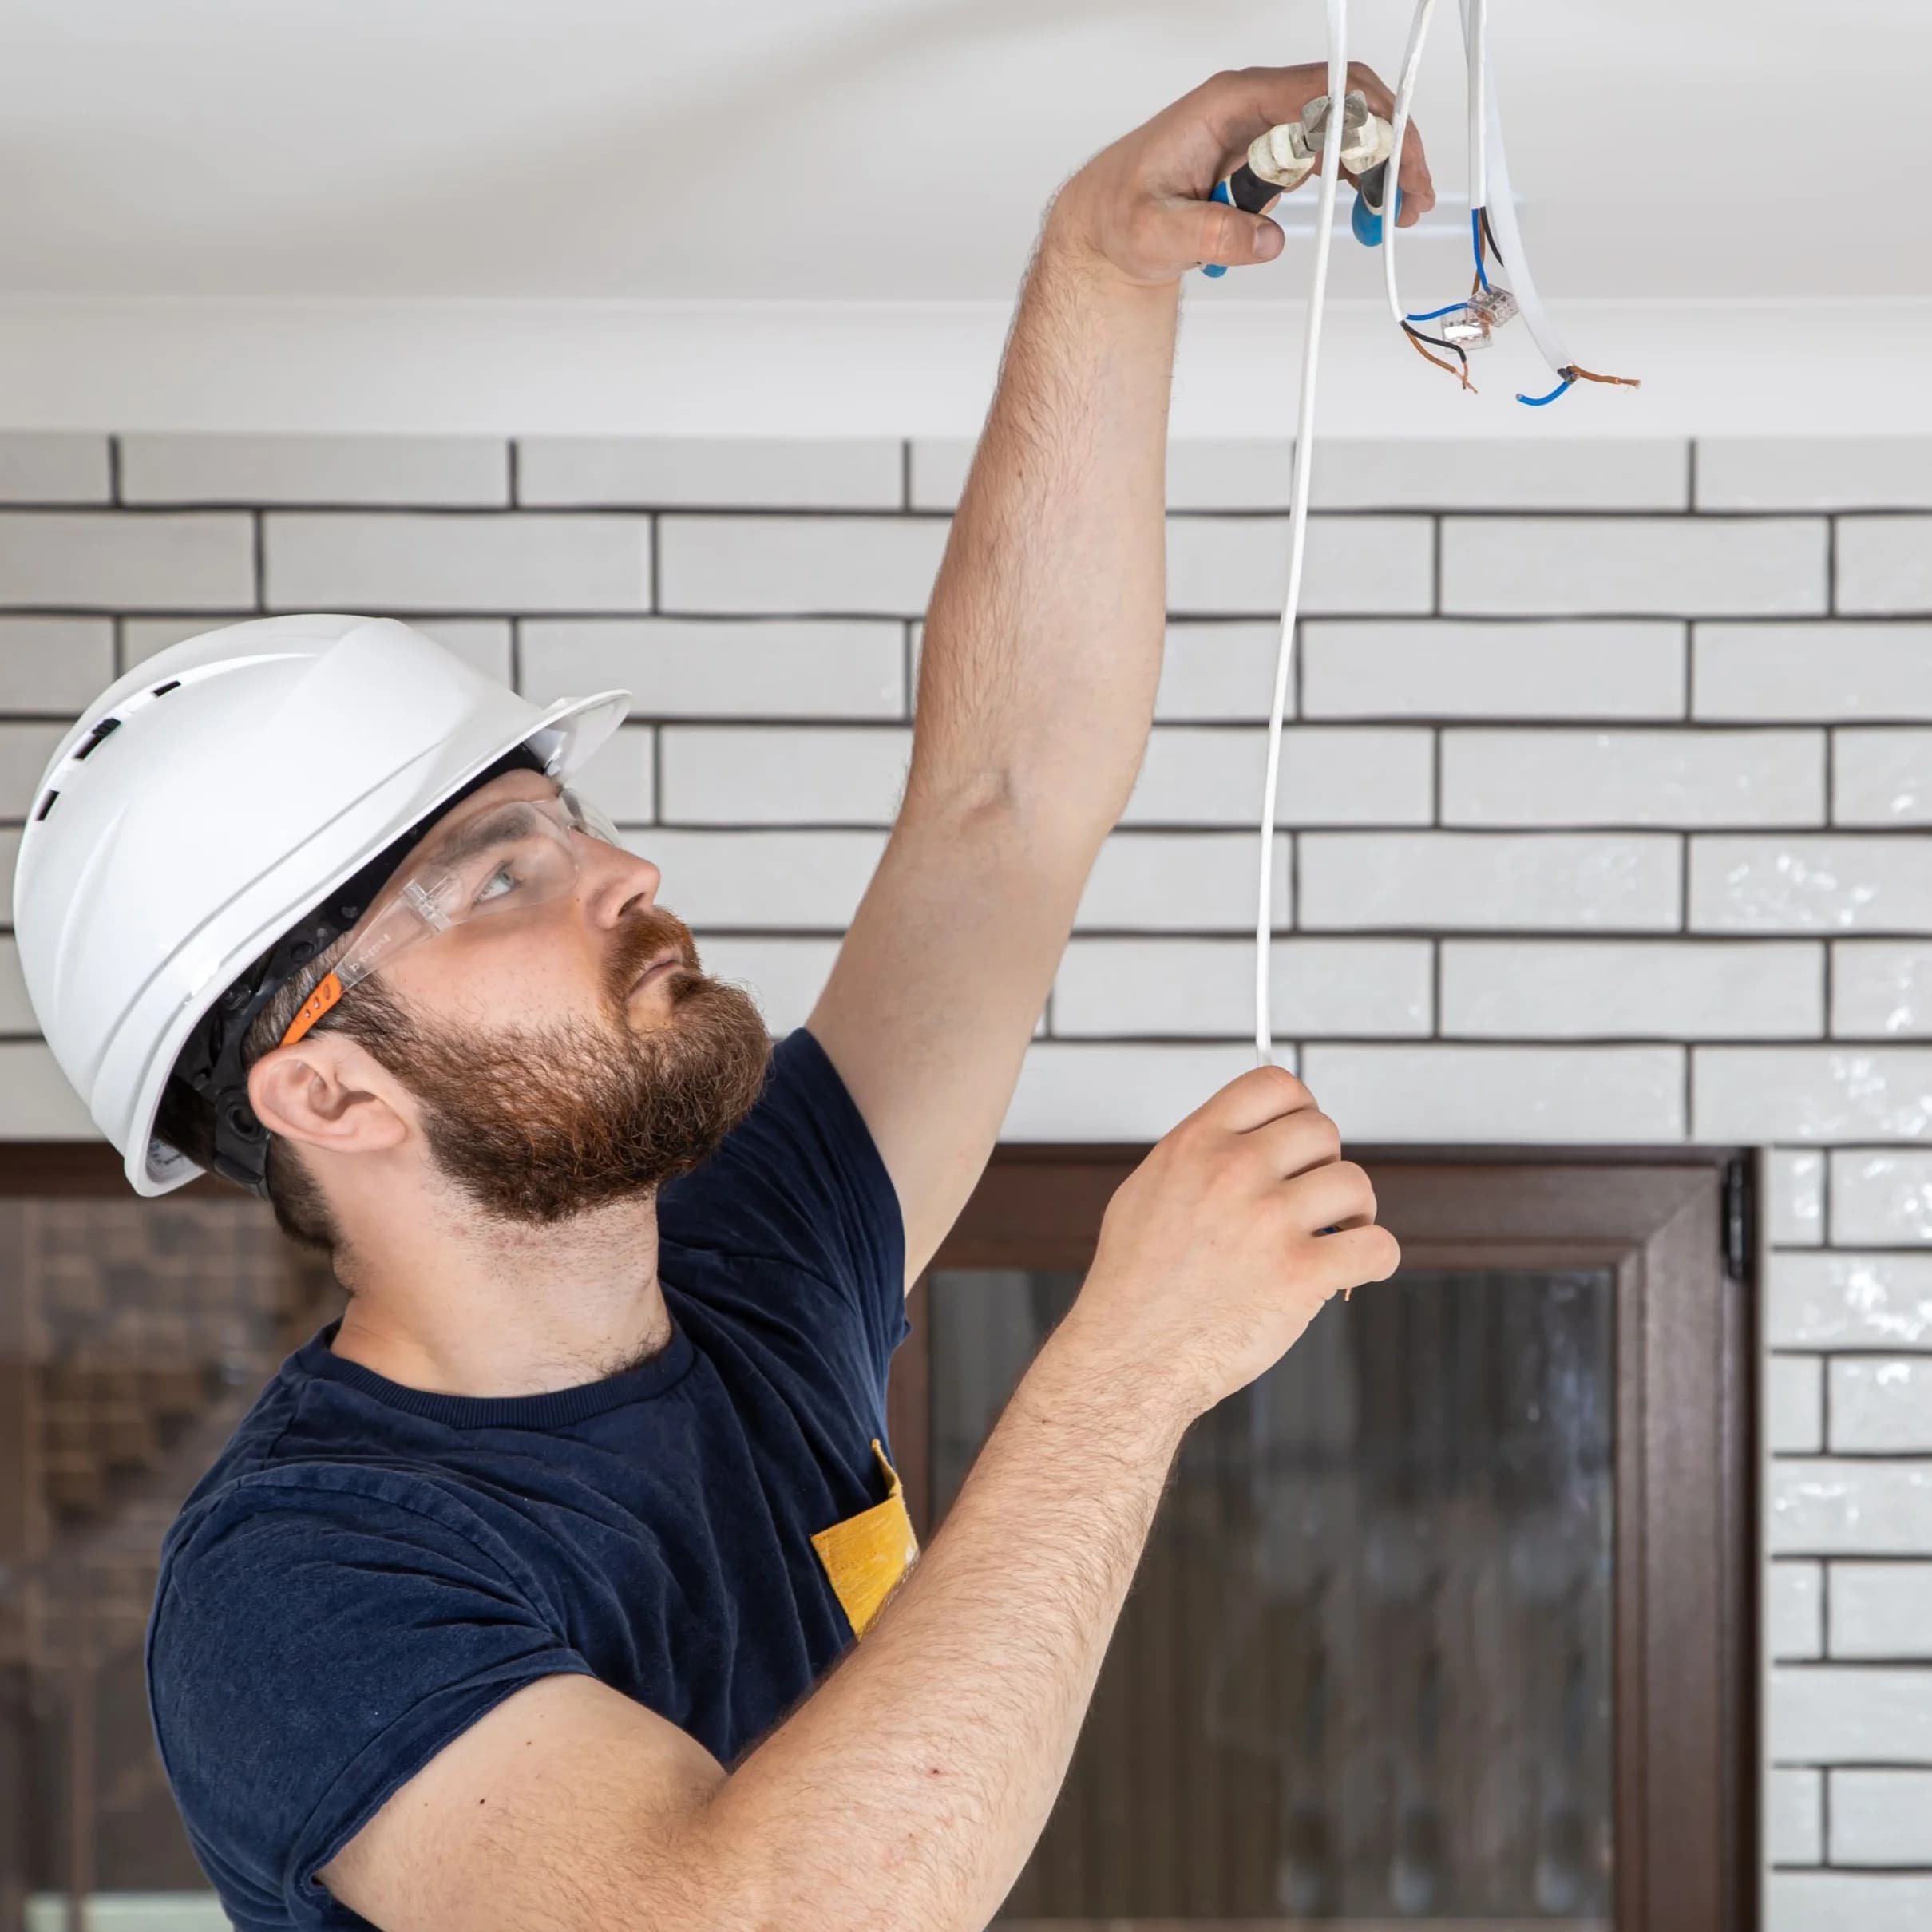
(565, 1054)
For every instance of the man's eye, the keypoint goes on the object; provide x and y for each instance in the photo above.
(506, 874)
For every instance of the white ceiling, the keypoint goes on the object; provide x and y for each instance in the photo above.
(899, 149)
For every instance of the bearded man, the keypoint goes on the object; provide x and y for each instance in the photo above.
(564, 1581)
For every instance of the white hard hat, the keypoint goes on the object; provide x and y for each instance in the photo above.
(219, 816)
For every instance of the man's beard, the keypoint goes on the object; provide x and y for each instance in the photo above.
(540, 1124)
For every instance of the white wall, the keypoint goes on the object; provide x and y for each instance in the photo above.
(1824, 366)
(1606, 820)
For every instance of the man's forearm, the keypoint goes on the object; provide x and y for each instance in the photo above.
(909, 1789)
(1043, 641)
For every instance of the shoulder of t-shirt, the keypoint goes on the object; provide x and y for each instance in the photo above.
(800, 1179)
(297, 1508)
(367, 1611)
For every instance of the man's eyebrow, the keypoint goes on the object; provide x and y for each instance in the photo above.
(475, 834)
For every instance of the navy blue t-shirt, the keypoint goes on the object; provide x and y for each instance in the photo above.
(369, 1568)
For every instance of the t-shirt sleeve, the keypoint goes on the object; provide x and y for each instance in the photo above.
(801, 1183)
(312, 1647)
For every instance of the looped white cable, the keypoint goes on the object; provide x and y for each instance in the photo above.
(1298, 505)
(1405, 93)
(1499, 204)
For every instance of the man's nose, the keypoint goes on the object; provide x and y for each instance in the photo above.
(617, 882)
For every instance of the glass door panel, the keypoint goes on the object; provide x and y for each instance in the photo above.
(1364, 1674)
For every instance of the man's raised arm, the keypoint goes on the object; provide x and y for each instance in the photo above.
(1043, 645)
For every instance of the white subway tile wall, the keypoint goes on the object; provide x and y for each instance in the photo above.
(53, 665)
(1447, 667)
(1882, 1610)
(1794, 1204)
(1631, 989)
(709, 473)
(1530, 778)
(1833, 1900)
(1634, 566)
(1794, 1404)
(1810, 673)
(449, 471)
(1881, 1197)
(1884, 566)
(1768, 473)
(1794, 1609)
(42, 466)
(1882, 1818)
(1882, 778)
(1238, 565)
(1880, 1405)
(1794, 1818)
(1606, 817)
(1881, 989)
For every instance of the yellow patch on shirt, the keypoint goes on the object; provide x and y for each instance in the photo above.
(866, 1555)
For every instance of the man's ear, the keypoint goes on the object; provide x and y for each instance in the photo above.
(326, 1092)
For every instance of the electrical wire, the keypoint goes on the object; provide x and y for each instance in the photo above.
(1496, 203)
(1417, 338)
(1536, 402)
(1497, 225)
(1405, 93)
(1475, 39)
(1298, 506)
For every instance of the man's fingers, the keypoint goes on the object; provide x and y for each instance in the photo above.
(1295, 1142)
(1357, 1255)
(1222, 234)
(1340, 1195)
(1413, 178)
(1251, 1100)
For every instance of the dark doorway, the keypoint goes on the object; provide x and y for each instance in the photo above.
(1448, 1619)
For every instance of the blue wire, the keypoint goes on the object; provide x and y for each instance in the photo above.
(1536, 402)
(1450, 311)
(1475, 242)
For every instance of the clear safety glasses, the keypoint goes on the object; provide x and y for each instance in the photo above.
(507, 859)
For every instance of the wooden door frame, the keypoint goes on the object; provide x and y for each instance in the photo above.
(1685, 1608)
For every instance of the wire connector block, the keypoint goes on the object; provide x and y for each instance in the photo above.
(1471, 326)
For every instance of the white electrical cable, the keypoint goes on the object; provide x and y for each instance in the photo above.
(1405, 93)
(1475, 37)
(1501, 204)
(1298, 505)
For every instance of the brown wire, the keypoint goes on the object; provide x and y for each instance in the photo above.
(1416, 340)
(1585, 375)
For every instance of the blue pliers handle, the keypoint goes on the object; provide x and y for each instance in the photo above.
(1226, 199)
(1365, 219)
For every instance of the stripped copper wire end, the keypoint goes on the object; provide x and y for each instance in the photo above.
(1417, 339)
(1588, 375)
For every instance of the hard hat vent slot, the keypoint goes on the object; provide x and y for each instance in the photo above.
(46, 806)
(106, 726)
